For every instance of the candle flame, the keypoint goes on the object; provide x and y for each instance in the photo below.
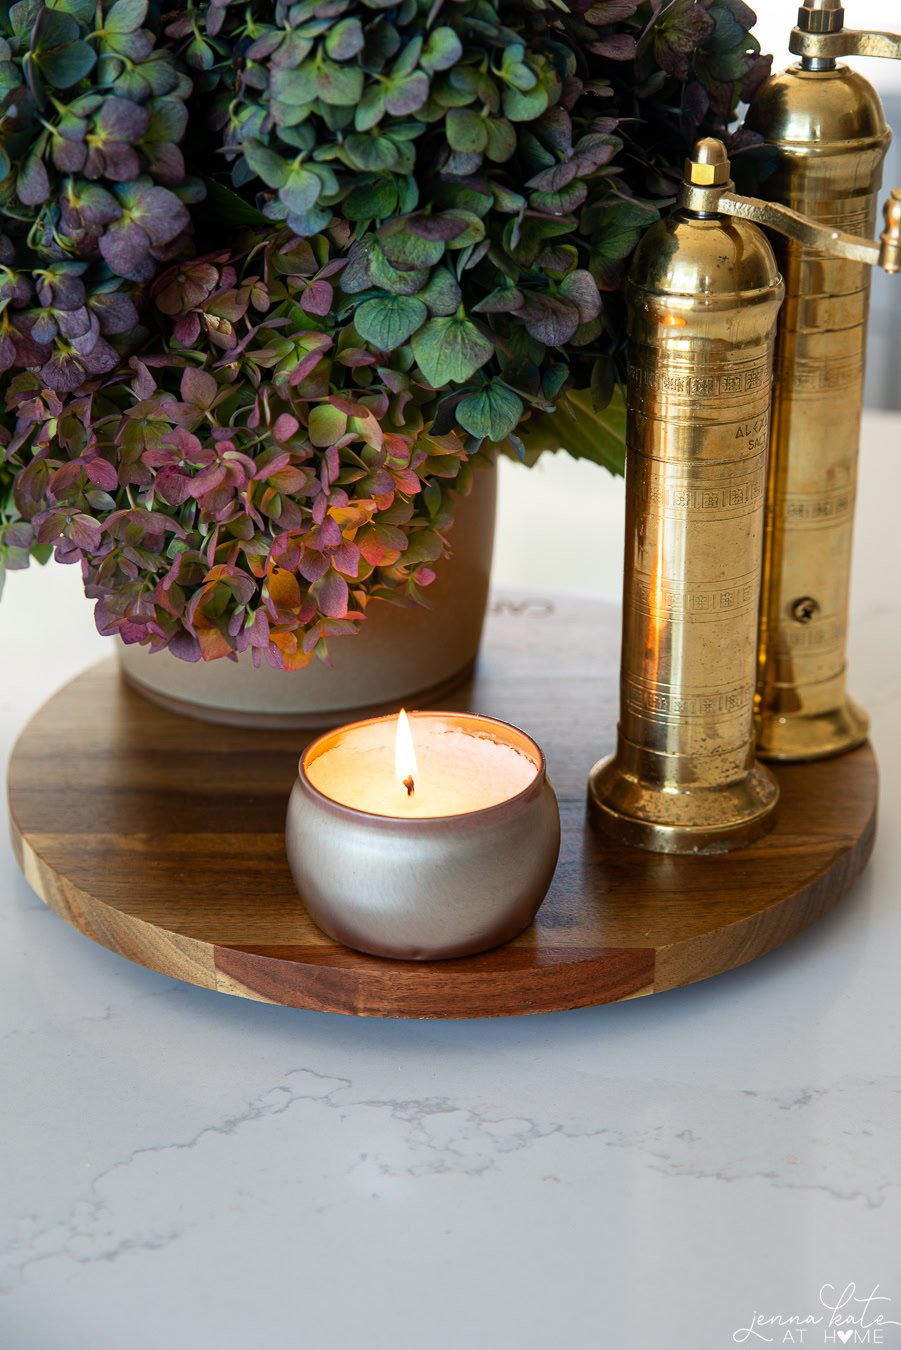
(405, 754)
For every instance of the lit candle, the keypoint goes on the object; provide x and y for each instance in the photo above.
(447, 768)
(424, 837)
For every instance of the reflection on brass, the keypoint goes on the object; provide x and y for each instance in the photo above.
(703, 297)
(827, 138)
(836, 243)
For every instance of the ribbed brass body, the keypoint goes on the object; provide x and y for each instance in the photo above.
(828, 140)
(703, 299)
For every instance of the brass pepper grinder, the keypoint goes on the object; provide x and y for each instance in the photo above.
(827, 138)
(703, 298)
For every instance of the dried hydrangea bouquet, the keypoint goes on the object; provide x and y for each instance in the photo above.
(275, 278)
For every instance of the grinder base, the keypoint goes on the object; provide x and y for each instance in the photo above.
(700, 820)
(802, 736)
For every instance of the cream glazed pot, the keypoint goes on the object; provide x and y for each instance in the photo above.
(411, 655)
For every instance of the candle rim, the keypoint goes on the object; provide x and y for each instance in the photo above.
(539, 762)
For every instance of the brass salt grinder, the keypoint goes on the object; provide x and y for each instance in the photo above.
(703, 298)
(827, 139)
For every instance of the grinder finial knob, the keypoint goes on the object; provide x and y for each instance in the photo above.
(821, 16)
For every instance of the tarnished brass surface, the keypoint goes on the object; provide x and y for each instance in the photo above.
(708, 190)
(820, 16)
(828, 140)
(708, 166)
(821, 36)
(846, 42)
(703, 298)
(883, 252)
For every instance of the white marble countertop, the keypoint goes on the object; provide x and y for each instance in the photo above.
(189, 1170)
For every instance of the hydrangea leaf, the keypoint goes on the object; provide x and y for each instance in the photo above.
(33, 182)
(501, 142)
(125, 16)
(389, 278)
(115, 312)
(615, 46)
(339, 85)
(408, 59)
(552, 320)
(82, 10)
(555, 178)
(345, 39)
(317, 298)
(615, 229)
(157, 210)
(331, 593)
(579, 287)
(442, 50)
(58, 51)
(443, 225)
(406, 93)
(371, 201)
(504, 300)
(326, 425)
(448, 350)
(472, 231)
(198, 387)
(728, 34)
(515, 70)
(467, 130)
(63, 68)
(493, 412)
(389, 321)
(265, 162)
(370, 108)
(448, 94)
(300, 189)
(407, 251)
(303, 222)
(294, 88)
(562, 203)
(525, 106)
(371, 153)
(120, 119)
(442, 295)
(677, 31)
(604, 12)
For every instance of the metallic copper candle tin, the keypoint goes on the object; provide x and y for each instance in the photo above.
(423, 889)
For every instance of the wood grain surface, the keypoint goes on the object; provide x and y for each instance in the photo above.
(162, 838)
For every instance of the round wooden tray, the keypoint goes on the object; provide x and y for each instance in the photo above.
(161, 838)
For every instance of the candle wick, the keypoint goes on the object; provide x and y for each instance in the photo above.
(409, 785)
